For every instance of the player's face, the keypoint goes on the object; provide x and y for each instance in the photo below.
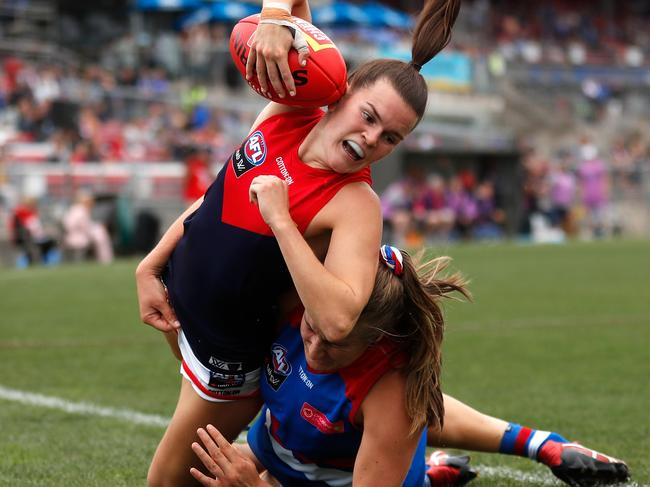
(324, 355)
(365, 126)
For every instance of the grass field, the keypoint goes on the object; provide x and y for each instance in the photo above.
(557, 338)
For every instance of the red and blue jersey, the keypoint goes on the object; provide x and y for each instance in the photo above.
(306, 433)
(226, 274)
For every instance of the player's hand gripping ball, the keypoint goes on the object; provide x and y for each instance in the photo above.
(321, 82)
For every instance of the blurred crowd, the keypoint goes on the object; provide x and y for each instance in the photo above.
(76, 236)
(426, 208)
(581, 193)
(148, 96)
(167, 94)
(577, 193)
(101, 115)
(575, 32)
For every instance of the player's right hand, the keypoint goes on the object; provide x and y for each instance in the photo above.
(226, 465)
(155, 309)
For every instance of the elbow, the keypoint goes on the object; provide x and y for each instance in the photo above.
(336, 327)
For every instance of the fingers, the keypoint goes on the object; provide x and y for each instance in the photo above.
(260, 69)
(224, 446)
(251, 60)
(284, 79)
(160, 315)
(168, 315)
(252, 194)
(300, 45)
(209, 457)
(303, 55)
(268, 58)
(203, 479)
(156, 320)
(220, 454)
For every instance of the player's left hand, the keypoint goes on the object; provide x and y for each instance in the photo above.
(229, 467)
(271, 194)
(269, 58)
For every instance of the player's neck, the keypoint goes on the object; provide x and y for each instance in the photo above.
(311, 150)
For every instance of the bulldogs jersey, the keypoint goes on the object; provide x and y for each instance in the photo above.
(226, 274)
(306, 433)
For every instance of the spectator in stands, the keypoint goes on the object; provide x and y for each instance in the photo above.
(463, 204)
(84, 151)
(198, 175)
(30, 236)
(593, 182)
(535, 184)
(562, 187)
(437, 218)
(30, 118)
(490, 219)
(82, 234)
(395, 206)
(415, 208)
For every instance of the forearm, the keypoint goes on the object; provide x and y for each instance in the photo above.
(301, 9)
(330, 301)
(466, 428)
(155, 260)
(297, 8)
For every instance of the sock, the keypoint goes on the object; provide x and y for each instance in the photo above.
(526, 442)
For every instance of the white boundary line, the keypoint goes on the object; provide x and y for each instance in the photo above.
(135, 417)
(485, 471)
(533, 478)
(88, 409)
(85, 408)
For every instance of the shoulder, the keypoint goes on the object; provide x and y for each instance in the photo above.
(276, 110)
(386, 398)
(357, 196)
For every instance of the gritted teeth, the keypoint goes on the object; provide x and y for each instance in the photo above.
(356, 148)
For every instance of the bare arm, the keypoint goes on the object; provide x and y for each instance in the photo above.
(334, 292)
(387, 449)
(152, 297)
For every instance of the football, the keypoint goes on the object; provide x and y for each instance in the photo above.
(321, 82)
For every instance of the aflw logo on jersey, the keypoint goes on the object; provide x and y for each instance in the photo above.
(251, 154)
(277, 366)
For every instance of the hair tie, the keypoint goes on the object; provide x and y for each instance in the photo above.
(392, 258)
(416, 66)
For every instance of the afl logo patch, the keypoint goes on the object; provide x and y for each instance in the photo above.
(250, 155)
(277, 366)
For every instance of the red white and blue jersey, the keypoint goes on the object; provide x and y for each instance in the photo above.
(227, 273)
(306, 433)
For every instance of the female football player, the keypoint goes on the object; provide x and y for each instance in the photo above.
(355, 412)
(292, 209)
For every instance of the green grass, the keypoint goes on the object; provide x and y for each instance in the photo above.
(557, 338)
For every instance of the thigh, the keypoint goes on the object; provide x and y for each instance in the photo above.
(174, 457)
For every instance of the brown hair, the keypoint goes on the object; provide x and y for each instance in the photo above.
(407, 308)
(432, 33)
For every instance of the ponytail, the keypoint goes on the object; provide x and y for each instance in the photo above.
(407, 309)
(432, 33)
(423, 328)
(433, 29)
